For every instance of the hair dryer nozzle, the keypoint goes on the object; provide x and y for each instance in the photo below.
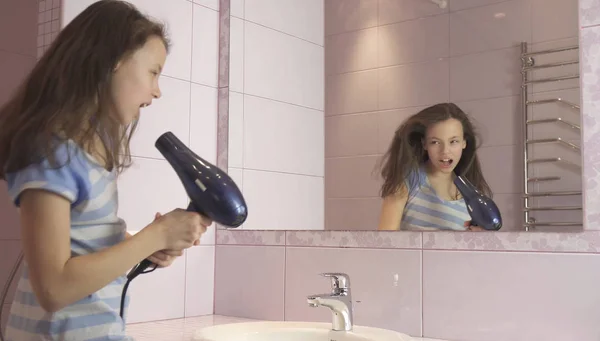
(211, 191)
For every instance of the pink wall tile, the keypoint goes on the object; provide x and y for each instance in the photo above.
(427, 37)
(9, 229)
(506, 179)
(250, 237)
(10, 253)
(544, 23)
(347, 135)
(497, 120)
(351, 51)
(413, 85)
(18, 23)
(344, 15)
(498, 26)
(464, 4)
(388, 122)
(249, 281)
(552, 296)
(352, 213)
(393, 11)
(13, 68)
(351, 92)
(5, 314)
(360, 239)
(350, 177)
(385, 296)
(511, 206)
(471, 76)
(586, 242)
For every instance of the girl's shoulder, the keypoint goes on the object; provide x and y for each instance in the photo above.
(66, 170)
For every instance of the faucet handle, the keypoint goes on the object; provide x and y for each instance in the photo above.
(339, 281)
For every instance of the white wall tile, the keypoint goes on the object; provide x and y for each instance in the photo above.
(158, 295)
(147, 187)
(236, 130)
(282, 67)
(214, 4)
(274, 198)
(199, 280)
(177, 14)
(236, 55)
(171, 112)
(289, 16)
(71, 8)
(205, 53)
(203, 122)
(236, 175)
(299, 133)
(237, 8)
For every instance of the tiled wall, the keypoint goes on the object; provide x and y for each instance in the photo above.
(454, 286)
(387, 59)
(276, 105)
(20, 23)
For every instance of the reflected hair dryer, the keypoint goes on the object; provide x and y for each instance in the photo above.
(482, 209)
(211, 191)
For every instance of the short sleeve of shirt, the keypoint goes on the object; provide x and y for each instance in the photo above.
(60, 178)
(414, 179)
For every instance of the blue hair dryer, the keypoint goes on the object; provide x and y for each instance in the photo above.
(482, 209)
(211, 191)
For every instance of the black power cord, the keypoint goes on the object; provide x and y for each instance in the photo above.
(136, 271)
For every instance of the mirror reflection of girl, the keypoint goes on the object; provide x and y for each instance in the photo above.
(418, 171)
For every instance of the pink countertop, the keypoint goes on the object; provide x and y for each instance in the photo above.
(184, 329)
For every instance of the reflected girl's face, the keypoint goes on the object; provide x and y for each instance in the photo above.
(444, 142)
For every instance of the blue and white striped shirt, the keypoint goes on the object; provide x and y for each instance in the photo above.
(92, 191)
(425, 210)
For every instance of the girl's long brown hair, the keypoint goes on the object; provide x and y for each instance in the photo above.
(406, 153)
(67, 92)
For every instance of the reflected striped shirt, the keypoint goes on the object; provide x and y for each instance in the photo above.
(92, 192)
(426, 211)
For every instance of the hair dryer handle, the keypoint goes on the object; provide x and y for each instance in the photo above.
(143, 265)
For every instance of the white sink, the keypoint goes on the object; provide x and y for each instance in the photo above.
(293, 331)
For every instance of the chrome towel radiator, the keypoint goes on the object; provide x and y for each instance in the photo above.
(528, 65)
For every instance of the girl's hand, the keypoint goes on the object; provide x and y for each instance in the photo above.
(164, 258)
(473, 228)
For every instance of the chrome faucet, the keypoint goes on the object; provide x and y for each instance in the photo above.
(339, 301)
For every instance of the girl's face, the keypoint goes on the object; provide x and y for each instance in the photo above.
(135, 80)
(444, 143)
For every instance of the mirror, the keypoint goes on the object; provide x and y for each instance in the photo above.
(316, 89)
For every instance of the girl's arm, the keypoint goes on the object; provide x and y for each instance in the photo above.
(392, 209)
(57, 278)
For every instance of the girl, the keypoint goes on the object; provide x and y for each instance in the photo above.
(64, 138)
(418, 171)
